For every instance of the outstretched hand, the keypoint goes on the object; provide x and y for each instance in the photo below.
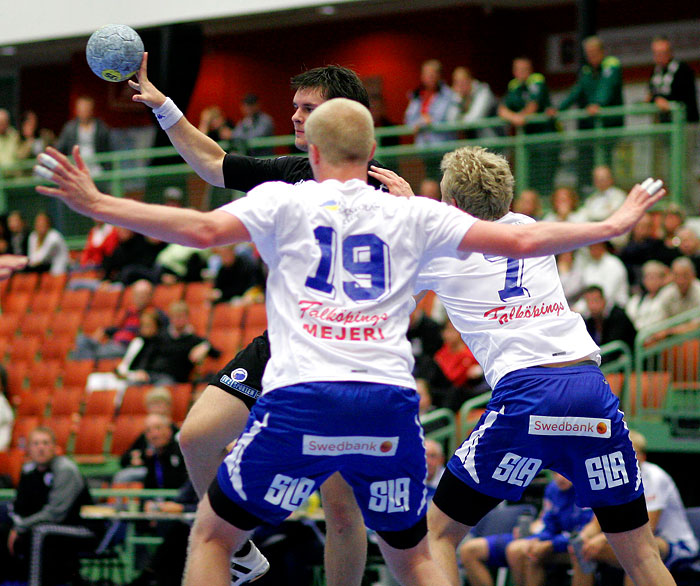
(638, 201)
(9, 263)
(147, 93)
(396, 184)
(75, 185)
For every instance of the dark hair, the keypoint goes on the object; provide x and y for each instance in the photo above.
(594, 289)
(334, 81)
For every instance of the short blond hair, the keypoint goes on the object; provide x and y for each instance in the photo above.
(342, 130)
(478, 182)
(638, 441)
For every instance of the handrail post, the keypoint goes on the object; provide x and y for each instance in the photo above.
(678, 152)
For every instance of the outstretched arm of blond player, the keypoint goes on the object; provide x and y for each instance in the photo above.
(78, 191)
(200, 152)
(545, 238)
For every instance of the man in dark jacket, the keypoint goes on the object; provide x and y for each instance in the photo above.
(607, 322)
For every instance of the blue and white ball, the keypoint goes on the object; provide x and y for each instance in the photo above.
(114, 52)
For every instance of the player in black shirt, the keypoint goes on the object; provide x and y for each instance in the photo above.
(220, 415)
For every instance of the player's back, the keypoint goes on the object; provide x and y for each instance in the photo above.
(343, 259)
(511, 313)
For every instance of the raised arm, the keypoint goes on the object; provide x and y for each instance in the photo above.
(545, 238)
(181, 226)
(200, 152)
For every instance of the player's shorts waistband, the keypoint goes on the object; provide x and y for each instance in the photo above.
(578, 362)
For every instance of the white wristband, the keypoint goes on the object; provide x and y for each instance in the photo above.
(168, 114)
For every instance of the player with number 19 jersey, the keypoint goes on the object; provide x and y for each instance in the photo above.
(343, 259)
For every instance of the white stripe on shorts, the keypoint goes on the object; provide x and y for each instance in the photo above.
(467, 451)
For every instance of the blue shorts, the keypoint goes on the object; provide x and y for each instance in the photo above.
(298, 436)
(497, 549)
(564, 419)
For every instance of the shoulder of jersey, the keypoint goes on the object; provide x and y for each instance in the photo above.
(535, 78)
(513, 84)
(610, 61)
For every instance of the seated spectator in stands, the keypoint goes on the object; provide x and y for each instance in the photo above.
(101, 241)
(473, 101)
(600, 267)
(4, 237)
(571, 278)
(254, 124)
(606, 196)
(87, 131)
(680, 295)
(7, 415)
(528, 203)
(33, 140)
(430, 104)
(18, 234)
(48, 251)
(607, 321)
(50, 493)
(173, 263)
(671, 81)
(377, 107)
(435, 459)
(158, 400)
(165, 466)
(167, 565)
(673, 219)
(214, 124)
(643, 308)
(457, 364)
(689, 245)
(565, 206)
(134, 251)
(673, 535)
(643, 247)
(239, 277)
(181, 349)
(528, 558)
(425, 398)
(9, 142)
(430, 188)
(425, 336)
(112, 342)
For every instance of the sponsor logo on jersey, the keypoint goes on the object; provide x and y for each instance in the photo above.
(239, 386)
(581, 426)
(331, 204)
(318, 445)
(240, 374)
(504, 315)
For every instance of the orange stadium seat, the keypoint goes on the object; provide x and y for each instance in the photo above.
(77, 300)
(76, 372)
(96, 319)
(654, 387)
(45, 302)
(9, 324)
(91, 436)
(16, 377)
(16, 303)
(227, 316)
(106, 298)
(182, 396)
(24, 349)
(125, 431)
(49, 282)
(251, 332)
(227, 341)
(11, 462)
(23, 426)
(56, 348)
(24, 282)
(197, 294)
(35, 324)
(34, 401)
(67, 402)
(199, 319)
(256, 315)
(45, 374)
(164, 295)
(134, 400)
(63, 427)
(101, 403)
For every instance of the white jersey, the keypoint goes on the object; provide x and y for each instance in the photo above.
(661, 494)
(511, 313)
(343, 259)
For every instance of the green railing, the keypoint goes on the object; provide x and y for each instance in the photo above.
(641, 148)
(440, 426)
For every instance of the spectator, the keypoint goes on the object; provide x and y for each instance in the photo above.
(19, 235)
(425, 398)
(607, 322)
(4, 237)
(528, 558)
(671, 81)
(9, 142)
(528, 94)
(473, 101)
(606, 196)
(101, 241)
(571, 278)
(429, 104)
(673, 535)
(165, 466)
(643, 247)
(599, 84)
(112, 342)
(254, 124)
(430, 188)
(48, 251)
(173, 263)
(50, 493)
(643, 308)
(564, 206)
(689, 245)
(673, 219)
(377, 107)
(528, 203)
(158, 400)
(134, 253)
(215, 125)
(600, 267)
(239, 277)
(33, 139)
(87, 131)
(435, 460)
(457, 364)
(680, 295)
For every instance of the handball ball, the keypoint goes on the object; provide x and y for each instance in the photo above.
(114, 52)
